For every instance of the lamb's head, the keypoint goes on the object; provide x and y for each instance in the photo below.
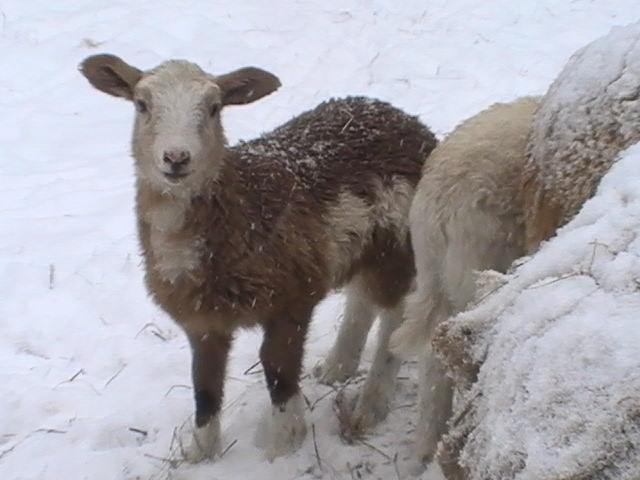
(178, 140)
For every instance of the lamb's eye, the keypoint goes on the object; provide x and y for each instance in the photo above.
(214, 109)
(141, 106)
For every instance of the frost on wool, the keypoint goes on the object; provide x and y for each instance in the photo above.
(557, 395)
(589, 115)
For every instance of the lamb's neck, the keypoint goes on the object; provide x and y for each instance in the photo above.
(170, 253)
(167, 214)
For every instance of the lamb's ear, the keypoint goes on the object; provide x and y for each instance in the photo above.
(111, 75)
(246, 85)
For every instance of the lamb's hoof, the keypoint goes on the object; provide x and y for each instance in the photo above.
(426, 447)
(284, 430)
(334, 371)
(206, 443)
(371, 407)
(417, 467)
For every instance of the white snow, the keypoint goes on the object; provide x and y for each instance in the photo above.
(94, 378)
(559, 388)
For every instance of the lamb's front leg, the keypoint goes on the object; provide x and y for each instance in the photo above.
(210, 352)
(281, 355)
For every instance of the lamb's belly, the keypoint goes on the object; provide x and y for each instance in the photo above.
(351, 222)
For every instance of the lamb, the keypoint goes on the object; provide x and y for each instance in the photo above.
(258, 233)
(466, 216)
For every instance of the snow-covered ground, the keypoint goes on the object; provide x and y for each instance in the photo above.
(94, 378)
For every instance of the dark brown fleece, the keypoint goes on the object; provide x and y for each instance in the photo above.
(263, 221)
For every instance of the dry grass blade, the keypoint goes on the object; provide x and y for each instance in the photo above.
(7, 451)
(337, 391)
(555, 280)
(455, 421)
(169, 461)
(72, 378)
(229, 447)
(115, 375)
(156, 330)
(315, 446)
(50, 430)
(349, 433)
(188, 387)
(346, 125)
(249, 371)
(395, 466)
(376, 449)
(312, 405)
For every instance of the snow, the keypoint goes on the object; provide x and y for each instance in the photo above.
(558, 389)
(95, 378)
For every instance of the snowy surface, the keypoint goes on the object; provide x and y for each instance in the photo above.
(95, 378)
(558, 394)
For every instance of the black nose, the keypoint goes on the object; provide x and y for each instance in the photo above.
(176, 159)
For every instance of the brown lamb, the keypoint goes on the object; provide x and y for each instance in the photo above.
(259, 233)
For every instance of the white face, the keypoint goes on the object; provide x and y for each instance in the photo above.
(178, 141)
(178, 137)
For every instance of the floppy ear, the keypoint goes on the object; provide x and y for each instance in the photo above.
(111, 75)
(246, 85)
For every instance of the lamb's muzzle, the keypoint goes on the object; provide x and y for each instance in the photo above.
(177, 162)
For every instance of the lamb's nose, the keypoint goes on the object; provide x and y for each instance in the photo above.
(176, 158)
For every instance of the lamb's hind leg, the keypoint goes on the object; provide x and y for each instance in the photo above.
(374, 399)
(343, 359)
(436, 394)
(281, 356)
(389, 273)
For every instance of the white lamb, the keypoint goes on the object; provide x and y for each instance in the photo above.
(465, 217)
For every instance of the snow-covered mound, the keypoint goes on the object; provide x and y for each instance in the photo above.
(589, 115)
(557, 343)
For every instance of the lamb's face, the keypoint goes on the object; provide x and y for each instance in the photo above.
(178, 141)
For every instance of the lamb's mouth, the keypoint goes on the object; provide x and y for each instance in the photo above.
(175, 176)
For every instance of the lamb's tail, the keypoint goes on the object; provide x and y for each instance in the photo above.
(424, 311)
(427, 305)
